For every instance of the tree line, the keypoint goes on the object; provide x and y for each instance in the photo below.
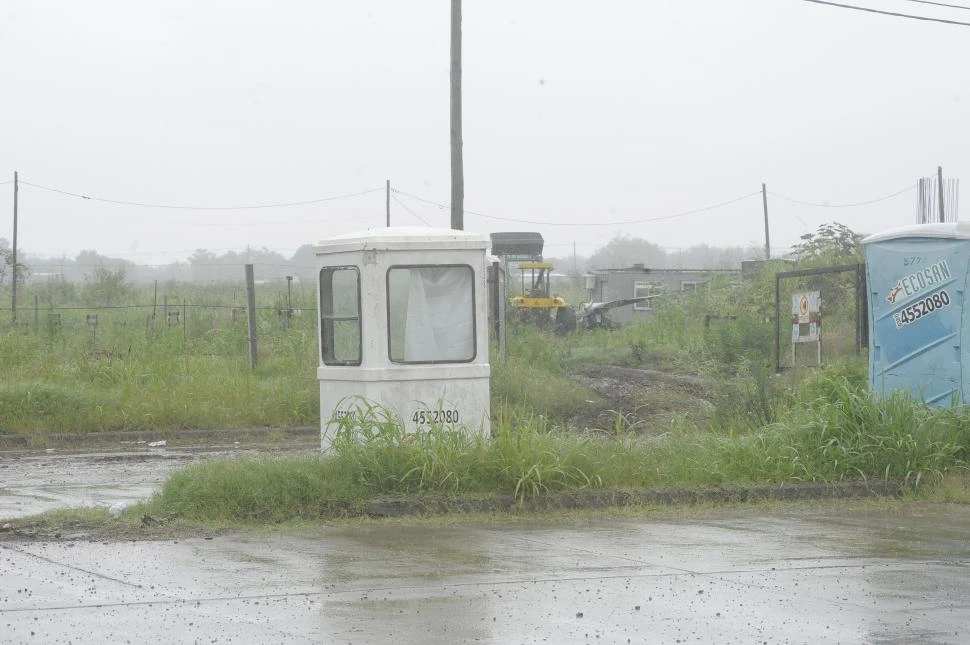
(830, 243)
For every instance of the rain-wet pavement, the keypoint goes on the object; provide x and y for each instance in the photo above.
(829, 573)
(34, 481)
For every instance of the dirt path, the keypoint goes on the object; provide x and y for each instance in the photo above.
(642, 400)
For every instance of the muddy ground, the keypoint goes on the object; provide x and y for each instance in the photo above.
(645, 401)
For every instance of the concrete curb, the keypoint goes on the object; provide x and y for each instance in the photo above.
(651, 497)
(193, 436)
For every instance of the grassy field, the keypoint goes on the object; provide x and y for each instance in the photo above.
(147, 367)
(801, 426)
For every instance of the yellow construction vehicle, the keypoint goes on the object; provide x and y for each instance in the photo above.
(532, 298)
(534, 292)
(536, 303)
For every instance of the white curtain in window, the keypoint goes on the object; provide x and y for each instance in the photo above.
(440, 322)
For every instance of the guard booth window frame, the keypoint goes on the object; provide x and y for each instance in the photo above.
(341, 337)
(398, 302)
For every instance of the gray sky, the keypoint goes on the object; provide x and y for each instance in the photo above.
(575, 113)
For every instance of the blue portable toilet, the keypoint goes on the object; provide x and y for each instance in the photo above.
(917, 280)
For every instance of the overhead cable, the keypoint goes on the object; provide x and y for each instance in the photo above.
(830, 205)
(941, 4)
(889, 13)
(405, 207)
(614, 223)
(170, 306)
(204, 208)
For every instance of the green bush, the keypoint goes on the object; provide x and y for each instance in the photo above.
(744, 337)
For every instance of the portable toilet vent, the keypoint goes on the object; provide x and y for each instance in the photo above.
(917, 279)
(403, 326)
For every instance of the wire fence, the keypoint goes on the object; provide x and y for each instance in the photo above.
(210, 319)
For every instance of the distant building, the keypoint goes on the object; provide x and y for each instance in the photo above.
(606, 285)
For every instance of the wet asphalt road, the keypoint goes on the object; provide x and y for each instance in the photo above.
(807, 574)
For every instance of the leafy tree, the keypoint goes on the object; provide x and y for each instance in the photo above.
(624, 251)
(106, 287)
(703, 256)
(304, 263)
(55, 290)
(6, 265)
(228, 267)
(202, 257)
(831, 244)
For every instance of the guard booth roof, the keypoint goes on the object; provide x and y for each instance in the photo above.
(517, 244)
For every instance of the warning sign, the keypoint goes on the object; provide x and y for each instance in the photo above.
(806, 317)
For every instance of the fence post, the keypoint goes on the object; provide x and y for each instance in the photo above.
(289, 301)
(251, 306)
(862, 296)
(777, 323)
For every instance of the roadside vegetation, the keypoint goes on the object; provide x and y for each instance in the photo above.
(173, 360)
(758, 427)
(851, 437)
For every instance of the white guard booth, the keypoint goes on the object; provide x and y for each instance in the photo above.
(402, 316)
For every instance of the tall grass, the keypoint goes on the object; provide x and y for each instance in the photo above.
(851, 433)
(132, 373)
(851, 436)
(521, 390)
(131, 376)
(525, 458)
(269, 489)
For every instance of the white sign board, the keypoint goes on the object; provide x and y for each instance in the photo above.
(806, 317)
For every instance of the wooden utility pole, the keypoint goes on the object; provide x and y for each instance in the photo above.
(251, 319)
(764, 201)
(13, 289)
(457, 167)
(388, 200)
(939, 190)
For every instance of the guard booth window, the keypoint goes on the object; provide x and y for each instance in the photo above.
(340, 340)
(431, 314)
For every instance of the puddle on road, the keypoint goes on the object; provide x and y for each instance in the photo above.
(33, 482)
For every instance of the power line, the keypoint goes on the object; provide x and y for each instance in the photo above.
(172, 306)
(828, 205)
(405, 207)
(889, 13)
(202, 208)
(112, 255)
(941, 4)
(184, 265)
(616, 223)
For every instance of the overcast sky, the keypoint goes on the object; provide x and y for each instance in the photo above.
(577, 116)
